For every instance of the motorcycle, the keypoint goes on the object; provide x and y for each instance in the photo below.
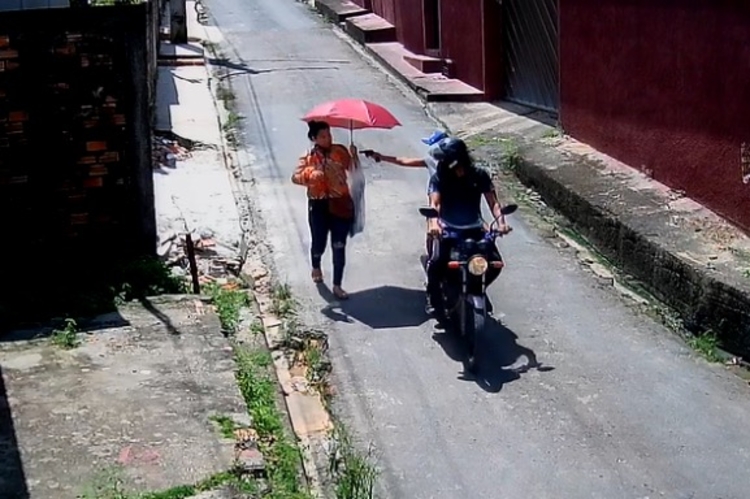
(464, 288)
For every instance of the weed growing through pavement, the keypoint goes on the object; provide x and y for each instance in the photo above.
(707, 345)
(231, 128)
(283, 459)
(552, 133)
(229, 304)
(256, 328)
(227, 426)
(146, 277)
(225, 94)
(510, 154)
(282, 301)
(109, 484)
(354, 473)
(67, 337)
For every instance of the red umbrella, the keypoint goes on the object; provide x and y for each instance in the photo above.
(354, 114)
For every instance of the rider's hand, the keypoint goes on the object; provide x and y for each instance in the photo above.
(353, 150)
(504, 228)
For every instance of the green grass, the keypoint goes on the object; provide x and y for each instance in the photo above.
(226, 425)
(355, 475)
(67, 337)
(283, 460)
(256, 328)
(145, 277)
(707, 345)
(231, 128)
(229, 304)
(552, 133)
(282, 301)
(510, 154)
(225, 94)
(110, 484)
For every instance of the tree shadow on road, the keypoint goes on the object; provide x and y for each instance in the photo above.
(384, 307)
(501, 358)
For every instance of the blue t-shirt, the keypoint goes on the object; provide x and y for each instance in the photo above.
(461, 197)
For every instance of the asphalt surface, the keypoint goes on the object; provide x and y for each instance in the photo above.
(622, 410)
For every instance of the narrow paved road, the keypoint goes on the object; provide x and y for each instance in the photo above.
(625, 413)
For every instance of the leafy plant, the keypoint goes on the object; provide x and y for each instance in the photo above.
(67, 337)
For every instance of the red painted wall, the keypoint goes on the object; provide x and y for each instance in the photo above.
(385, 9)
(410, 28)
(462, 38)
(663, 86)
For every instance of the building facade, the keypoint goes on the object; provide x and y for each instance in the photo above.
(656, 84)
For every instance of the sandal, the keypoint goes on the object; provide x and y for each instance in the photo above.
(340, 293)
(317, 276)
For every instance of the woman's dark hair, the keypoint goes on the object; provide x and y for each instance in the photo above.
(315, 127)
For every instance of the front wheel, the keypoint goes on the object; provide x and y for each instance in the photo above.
(473, 327)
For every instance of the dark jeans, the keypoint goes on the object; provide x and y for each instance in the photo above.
(438, 265)
(323, 223)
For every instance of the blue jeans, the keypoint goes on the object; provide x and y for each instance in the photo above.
(322, 223)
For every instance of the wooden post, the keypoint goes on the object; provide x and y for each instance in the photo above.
(193, 264)
(178, 21)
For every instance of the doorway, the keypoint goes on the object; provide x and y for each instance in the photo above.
(432, 32)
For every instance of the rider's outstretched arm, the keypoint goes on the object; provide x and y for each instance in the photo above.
(408, 162)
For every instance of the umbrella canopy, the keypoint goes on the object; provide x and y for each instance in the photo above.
(353, 114)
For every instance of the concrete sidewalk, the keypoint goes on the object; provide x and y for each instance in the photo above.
(132, 404)
(193, 188)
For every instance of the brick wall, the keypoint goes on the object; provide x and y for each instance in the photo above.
(75, 172)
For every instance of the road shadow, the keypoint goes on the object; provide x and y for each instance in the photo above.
(501, 358)
(12, 475)
(384, 307)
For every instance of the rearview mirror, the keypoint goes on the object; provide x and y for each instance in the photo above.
(509, 209)
(428, 212)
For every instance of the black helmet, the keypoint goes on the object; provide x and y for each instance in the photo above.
(449, 151)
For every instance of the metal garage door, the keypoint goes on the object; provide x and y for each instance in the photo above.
(530, 29)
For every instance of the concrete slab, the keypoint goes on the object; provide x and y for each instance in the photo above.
(433, 87)
(339, 11)
(191, 50)
(370, 28)
(195, 192)
(136, 398)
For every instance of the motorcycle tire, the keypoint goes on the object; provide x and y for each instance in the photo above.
(473, 327)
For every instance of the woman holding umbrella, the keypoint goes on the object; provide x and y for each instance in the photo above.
(323, 170)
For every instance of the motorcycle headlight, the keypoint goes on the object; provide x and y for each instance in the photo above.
(478, 265)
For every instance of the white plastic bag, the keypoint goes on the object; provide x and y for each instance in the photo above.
(356, 180)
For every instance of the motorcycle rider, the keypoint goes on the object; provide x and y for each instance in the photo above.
(455, 192)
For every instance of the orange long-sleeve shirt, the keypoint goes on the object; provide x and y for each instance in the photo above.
(333, 164)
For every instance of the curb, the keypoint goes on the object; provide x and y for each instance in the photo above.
(706, 300)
